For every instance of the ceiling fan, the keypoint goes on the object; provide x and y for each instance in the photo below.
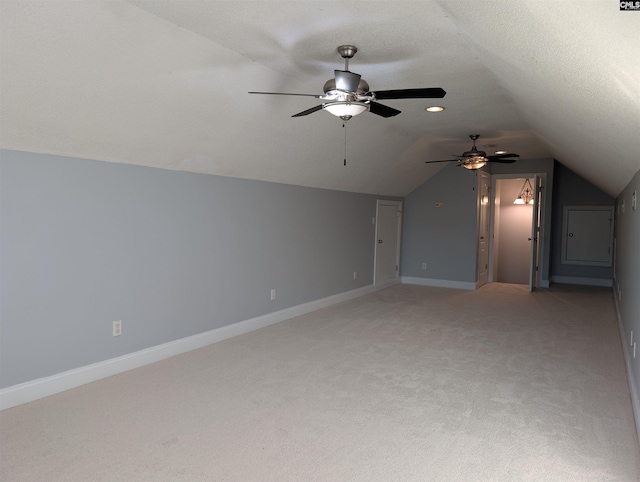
(476, 159)
(347, 94)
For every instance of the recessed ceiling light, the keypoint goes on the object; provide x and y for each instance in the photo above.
(501, 152)
(434, 108)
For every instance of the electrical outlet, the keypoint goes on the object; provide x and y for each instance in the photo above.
(117, 328)
(355, 275)
(273, 295)
(424, 265)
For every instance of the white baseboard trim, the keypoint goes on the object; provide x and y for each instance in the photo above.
(43, 387)
(626, 349)
(577, 280)
(439, 283)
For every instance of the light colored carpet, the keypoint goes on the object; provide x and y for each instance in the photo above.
(409, 383)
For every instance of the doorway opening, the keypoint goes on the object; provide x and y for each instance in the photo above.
(517, 230)
(511, 233)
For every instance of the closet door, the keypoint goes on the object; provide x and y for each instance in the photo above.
(587, 235)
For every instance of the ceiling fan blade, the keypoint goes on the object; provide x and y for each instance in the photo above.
(502, 156)
(308, 111)
(443, 160)
(500, 160)
(426, 93)
(283, 93)
(347, 81)
(382, 110)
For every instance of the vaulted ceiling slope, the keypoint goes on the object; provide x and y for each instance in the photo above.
(165, 83)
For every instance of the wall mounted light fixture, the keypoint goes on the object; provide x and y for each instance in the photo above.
(526, 194)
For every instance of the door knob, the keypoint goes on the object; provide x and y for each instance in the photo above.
(379, 241)
(571, 235)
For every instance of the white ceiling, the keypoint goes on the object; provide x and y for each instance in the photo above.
(164, 83)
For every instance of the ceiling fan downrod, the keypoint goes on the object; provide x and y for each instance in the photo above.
(347, 52)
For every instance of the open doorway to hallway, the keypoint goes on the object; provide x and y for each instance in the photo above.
(511, 253)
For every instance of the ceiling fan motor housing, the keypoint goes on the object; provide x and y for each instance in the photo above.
(474, 153)
(330, 86)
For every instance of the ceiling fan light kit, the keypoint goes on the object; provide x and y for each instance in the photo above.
(474, 163)
(345, 109)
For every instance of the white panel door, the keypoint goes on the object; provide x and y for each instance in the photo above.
(484, 189)
(387, 241)
(587, 235)
(535, 233)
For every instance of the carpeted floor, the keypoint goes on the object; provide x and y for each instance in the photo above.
(409, 383)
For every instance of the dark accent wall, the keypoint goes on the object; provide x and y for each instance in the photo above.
(570, 189)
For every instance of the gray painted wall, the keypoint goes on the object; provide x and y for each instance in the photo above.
(569, 189)
(627, 279)
(171, 254)
(444, 238)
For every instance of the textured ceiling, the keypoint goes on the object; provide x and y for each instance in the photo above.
(164, 83)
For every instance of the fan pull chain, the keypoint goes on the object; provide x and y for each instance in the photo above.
(344, 126)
